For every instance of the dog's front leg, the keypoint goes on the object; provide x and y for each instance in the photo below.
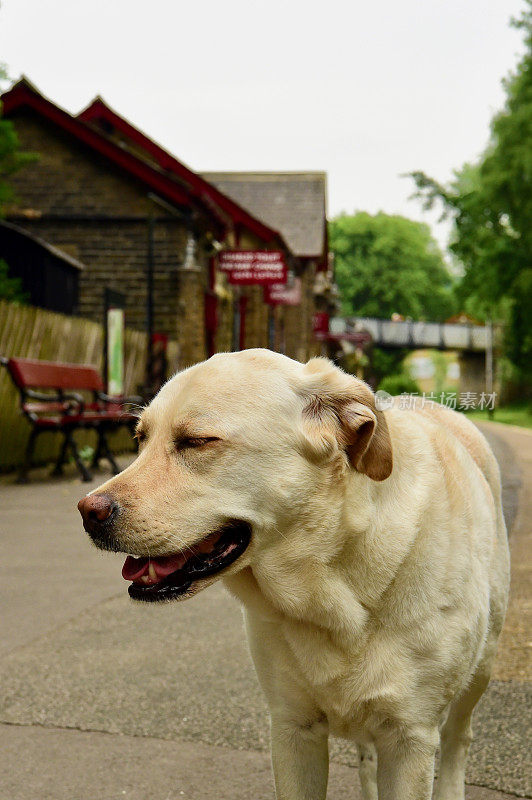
(405, 765)
(300, 757)
(367, 770)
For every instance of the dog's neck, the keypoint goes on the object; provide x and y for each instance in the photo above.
(317, 571)
(332, 572)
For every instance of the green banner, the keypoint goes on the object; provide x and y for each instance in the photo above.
(115, 351)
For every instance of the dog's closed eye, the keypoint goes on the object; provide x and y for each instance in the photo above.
(194, 442)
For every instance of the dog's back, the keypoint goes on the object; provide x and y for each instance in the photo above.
(462, 429)
(471, 438)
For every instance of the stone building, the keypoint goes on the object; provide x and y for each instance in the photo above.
(293, 203)
(138, 221)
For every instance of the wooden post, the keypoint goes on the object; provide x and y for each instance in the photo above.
(489, 362)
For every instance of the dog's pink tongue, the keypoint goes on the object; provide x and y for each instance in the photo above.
(135, 568)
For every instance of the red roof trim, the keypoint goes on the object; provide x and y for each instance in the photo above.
(22, 94)
(208, 193)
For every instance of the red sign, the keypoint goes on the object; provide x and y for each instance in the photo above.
(279, 294)
(320, 324)
(253, 267)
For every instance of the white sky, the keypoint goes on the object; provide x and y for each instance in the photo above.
(363, 90)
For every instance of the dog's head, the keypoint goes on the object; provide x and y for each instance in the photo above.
(234, 452)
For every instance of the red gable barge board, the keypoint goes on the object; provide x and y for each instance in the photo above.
(98, 111)
(279, 294)
(253, 267)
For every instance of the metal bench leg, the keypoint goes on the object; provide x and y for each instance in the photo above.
(26, 464)
(58, 469)
(98, 453)
(107, 453)
(85, 474)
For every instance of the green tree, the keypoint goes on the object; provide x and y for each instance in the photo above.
(11, 158)
(491, 205)
(389, 264)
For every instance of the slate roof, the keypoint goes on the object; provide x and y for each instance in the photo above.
(293, 203)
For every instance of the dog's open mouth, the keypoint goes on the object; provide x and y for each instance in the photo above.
(169, 577)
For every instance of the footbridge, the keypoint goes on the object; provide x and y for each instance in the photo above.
(473, 343)
(409, 334)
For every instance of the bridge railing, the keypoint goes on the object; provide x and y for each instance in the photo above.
(448, 336)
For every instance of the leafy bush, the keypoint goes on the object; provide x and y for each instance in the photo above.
(399, 384)
(385, 362)
(11, 288)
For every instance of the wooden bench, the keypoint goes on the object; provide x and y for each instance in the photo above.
(51, 400)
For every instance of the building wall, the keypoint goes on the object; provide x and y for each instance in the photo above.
(79, 202)
(295, 322)
(115, 254)
(69, 178)
(191, 316)
(223, 341)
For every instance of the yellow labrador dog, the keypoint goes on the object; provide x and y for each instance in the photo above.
(368, 549)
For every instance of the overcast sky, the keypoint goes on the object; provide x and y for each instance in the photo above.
(363, 90)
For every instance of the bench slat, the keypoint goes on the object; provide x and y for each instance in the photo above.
(51, 375)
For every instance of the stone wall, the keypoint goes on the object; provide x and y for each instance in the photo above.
(295, 322)
(115, 254)
(223, 342)
(191, 316)
(69, 178)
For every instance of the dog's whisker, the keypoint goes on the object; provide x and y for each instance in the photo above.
(281, 534)
(184, 546)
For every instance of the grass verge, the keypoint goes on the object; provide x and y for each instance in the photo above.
(520, 415)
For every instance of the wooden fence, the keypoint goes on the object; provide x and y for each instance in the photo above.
(29, 332)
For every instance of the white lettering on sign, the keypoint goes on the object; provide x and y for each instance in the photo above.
(283, 294)
(250, 267)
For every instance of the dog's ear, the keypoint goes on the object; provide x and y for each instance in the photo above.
(340, 412)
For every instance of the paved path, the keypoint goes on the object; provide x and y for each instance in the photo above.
(104, 699)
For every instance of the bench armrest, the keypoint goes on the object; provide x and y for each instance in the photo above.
(121, 400)
(77, 399)
(61, 397)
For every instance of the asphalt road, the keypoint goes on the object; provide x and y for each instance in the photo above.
(103, 698)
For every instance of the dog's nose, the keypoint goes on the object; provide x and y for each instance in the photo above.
(95, 510)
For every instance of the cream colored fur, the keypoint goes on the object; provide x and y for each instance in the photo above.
(375, 584)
